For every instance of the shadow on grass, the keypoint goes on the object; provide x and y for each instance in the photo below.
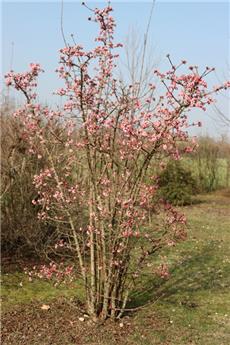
(198, 200)
(204, 270)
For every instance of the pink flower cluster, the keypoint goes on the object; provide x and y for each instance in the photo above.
(57, 272)
(163, 271)
(25, 82)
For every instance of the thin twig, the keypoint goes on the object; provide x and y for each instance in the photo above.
(62, 28)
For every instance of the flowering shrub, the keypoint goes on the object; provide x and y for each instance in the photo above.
(109, 139)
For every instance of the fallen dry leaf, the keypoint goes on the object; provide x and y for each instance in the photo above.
(45, 307)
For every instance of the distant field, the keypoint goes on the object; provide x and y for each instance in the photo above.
(190, 308)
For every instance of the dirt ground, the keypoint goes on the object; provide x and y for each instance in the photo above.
(59, 325)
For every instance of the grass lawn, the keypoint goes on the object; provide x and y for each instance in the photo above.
(192, 307)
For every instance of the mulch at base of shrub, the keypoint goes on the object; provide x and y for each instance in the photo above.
(59, 325)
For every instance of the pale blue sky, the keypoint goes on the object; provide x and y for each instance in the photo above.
(195, 31)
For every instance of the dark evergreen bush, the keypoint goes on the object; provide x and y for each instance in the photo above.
(177, 185)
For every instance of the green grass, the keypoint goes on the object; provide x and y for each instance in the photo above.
(17, 289)
(192, 307)
(195, 302)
